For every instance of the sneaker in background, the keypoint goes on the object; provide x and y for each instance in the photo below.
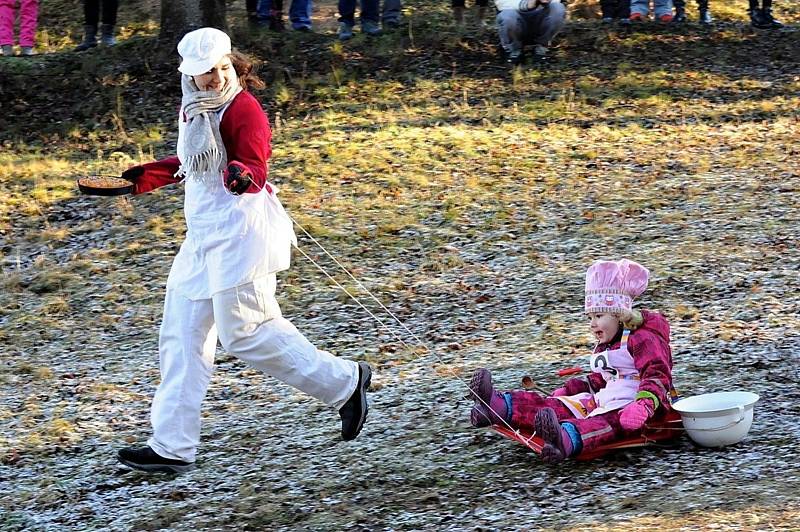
(345, 31)
(370, 28)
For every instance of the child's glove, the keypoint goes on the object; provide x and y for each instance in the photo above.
(635, 415)
(237, 178)
(559, 392)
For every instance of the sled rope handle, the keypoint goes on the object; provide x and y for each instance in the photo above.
(390, 313)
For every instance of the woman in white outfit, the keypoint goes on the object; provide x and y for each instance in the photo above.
(222, 282)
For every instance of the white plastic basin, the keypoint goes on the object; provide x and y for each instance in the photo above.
(717, 419)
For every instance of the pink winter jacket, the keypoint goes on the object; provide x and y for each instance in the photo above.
(649, 346)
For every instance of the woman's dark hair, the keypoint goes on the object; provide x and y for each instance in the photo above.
(245, 69)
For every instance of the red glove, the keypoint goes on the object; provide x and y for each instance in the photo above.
(237, 178)
(635, 415)
(559, 392)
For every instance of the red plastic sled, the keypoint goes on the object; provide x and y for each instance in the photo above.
(665, 428)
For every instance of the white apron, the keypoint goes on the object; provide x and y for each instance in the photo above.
(622, 383)
(230, 240)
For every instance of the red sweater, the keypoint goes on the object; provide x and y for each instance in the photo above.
(246, 134)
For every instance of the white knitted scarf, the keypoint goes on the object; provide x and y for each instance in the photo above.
(200, 147)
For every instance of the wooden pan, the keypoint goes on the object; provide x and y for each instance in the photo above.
(100, 185)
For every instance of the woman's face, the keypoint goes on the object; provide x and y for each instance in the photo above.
(218, 77)
(604, 326)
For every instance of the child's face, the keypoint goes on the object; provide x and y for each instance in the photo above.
(604, 326)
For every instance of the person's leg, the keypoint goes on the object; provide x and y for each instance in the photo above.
(663, 10)
(542, 25)
(569, 437)
(28, 17)
(640, 9)
(608, 9)
(458, 7)
(300, 14)
(680, 11)
(264, 10)
(525, 405)
(598, 430)
(109, 21)
(369, 11)
(510, 29)
(623, 9)
(110, 12)
(187, 344)
(252, 328)
(391, 12)
(766, 12)
(91, 14)
(7, 25)
(704, 14)
(347, 19)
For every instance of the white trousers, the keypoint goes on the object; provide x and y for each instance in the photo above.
(250, 326)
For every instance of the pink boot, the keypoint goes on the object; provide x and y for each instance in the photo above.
(557, 444)
(482, 391)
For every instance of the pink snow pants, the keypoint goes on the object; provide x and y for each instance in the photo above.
(595, 431)
(28, 17)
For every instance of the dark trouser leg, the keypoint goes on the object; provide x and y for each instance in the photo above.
(608, 8)
(91, 12)
(347, 12)
(110, 12)
(390, 13)
(623, 9)
(369, 11)
(705, 14)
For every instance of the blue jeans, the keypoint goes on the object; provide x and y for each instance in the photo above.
(347, 11)
(391, 11)
(299, 12)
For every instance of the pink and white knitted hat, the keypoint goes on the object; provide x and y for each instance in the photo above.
(612, 285)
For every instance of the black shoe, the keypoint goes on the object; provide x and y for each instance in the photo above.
(757, 19)
(769, 20)
(145, 459)
(354, 411)
(680, 16)
(515, 57)
(705, 17)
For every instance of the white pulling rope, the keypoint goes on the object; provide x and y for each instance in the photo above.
(391, 331)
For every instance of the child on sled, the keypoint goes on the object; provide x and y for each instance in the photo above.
(629, 383)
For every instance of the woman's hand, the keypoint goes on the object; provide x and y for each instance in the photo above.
(560, 392)
(237, 178)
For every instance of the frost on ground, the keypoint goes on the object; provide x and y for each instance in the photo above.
(471, 211)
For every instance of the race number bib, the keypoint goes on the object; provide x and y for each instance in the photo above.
(601, 363)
